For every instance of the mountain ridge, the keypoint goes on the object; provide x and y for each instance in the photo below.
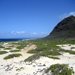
(64, 29)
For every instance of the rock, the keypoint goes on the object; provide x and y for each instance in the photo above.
(64, 29)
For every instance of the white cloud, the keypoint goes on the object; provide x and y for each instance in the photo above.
(72, 13)
(40, 33)
(66, 15)
(22, 34)
(27, 34)
(18, 32)
(34, 33)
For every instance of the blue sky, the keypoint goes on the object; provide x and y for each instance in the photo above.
(21, 18)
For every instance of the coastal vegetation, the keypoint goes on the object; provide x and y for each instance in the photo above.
(12, 56)
(15, 50)
(3, 52)
(49, 48)
(60, 69)
(45, 47)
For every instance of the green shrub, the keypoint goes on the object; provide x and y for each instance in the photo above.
(68, 51)
(32, 58)
(15, 51)
(7, 48)
(1, 46)
(60, 69)
(53, 57)
(3, 52)
(12, 56)
(20, 47)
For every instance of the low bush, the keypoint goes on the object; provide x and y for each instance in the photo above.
(3, 52)
(12, 56)
(15, 51)
(60, 69)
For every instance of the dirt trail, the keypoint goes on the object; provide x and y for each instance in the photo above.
(26, 49)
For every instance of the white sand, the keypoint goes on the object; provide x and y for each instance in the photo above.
(67, 47)
(35, 68)
(17, 66)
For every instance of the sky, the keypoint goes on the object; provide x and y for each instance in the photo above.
(28, 18)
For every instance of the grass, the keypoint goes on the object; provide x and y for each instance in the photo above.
(45, 47)
(15, 51)
(19, 69)
(53, 57)
(3, 52)
(12, 56)
(68, 51)
(37, 56)
(7, 48)
(60, 69)
(20, 47)
(48, 47)
(32, 58)
(22, 44)
(1, 46)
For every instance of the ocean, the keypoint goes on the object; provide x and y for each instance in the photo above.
(15, 39)
(10, 40)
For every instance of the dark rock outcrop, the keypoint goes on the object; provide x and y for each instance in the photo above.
(64, 29)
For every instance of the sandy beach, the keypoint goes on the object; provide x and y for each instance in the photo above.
(17, 65)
